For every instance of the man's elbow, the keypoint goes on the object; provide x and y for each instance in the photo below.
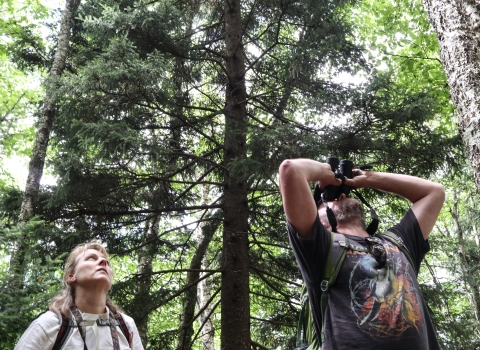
(439, 190)
(287, 171)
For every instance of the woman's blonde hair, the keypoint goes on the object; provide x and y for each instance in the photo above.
(66, 298)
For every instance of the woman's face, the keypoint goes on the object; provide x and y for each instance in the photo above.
(92, 270)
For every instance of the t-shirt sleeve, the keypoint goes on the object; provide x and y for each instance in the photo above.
(41, 334)
(310, 253)
(409, 230)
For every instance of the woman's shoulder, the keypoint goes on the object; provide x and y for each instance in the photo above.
(127, 319)
(41, 332)
(49, 319)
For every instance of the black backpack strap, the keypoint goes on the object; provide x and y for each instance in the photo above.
(373, 226)
(65, 325)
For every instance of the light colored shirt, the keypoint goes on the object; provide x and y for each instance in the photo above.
(42, 333)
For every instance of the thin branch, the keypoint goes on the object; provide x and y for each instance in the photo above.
(257, 345)
(11, 109)
(181, 291)
(145, 211)
(259, 243)
(273, 322)
(275, 299)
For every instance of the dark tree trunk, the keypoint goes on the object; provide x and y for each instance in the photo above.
(235, 282)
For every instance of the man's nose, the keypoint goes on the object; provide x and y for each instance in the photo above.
(103, 261)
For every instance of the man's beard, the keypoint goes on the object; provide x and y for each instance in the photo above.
(347, 212)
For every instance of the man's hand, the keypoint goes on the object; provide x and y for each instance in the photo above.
(328, 177)
(427, 197)
(359, 178)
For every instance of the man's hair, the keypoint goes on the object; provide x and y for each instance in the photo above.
(66, 298)
(349, 210)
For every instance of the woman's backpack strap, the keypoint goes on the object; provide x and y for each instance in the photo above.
(66, 324)
(123, 327)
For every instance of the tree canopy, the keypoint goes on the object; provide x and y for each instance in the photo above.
(170, 120)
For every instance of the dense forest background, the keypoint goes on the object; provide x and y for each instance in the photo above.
(160, 126)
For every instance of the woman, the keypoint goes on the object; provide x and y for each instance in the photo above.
(97, 322)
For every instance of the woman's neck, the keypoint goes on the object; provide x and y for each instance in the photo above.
(91, 304)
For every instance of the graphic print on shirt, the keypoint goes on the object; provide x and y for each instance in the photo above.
(384, 300)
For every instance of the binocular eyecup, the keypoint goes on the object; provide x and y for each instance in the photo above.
(343, 171)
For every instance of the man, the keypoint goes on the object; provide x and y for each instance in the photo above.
(371, 305)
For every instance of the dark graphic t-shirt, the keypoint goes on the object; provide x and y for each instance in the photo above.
(370, 306)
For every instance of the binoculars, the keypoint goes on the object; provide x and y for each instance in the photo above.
(342, 169)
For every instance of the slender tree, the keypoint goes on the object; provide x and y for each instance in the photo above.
(39, 152)
(235, 283)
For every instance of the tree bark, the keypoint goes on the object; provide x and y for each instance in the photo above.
(464, 262)
(37, 160)
(142, 299)
(190, 297)
(457, 24)
(205, 320)
(204, 293)
(235, 313)
(39, 152)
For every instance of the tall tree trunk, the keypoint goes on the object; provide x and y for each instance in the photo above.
(235, 283)
(142, 300)
(205, 319)
(190, 297)
(464, 262)
(457, 24)
(37, 160)
(204, 293)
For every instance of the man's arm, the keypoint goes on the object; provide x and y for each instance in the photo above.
(295, 176)
(427, 197)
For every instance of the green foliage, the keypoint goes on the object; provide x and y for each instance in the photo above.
(20, 306)
(138, 144)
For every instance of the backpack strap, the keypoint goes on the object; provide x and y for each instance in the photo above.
(334, 261)
(123, 327)
(400, 244)
(335, 257)
(65, 325)
(398, 241)
(303, 318)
